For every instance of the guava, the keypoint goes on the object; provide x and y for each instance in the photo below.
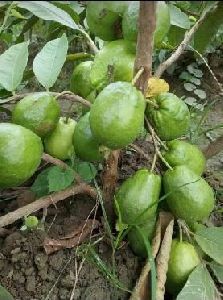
(183, 153)
(117, 115)
(80, 82)
(114, 62)
(171, 118)
(60, 142)
(137, 198)
(135, 239)
(189, 196)
(183, 259)
(130, 22)
(20, 154)
(38, 112)
(104, 18)
(85, 145)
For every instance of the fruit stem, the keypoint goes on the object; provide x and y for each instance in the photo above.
(180, 230)
(77, 56)
(152, 103)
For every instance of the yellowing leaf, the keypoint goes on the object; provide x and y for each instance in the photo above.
(156, 86)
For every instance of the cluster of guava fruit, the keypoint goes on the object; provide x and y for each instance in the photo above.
(114, 120)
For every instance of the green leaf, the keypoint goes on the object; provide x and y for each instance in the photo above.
(208, 28)
(193, 70)
(199, 286)
(41, 185)
(185, 76)
(194, 80)
(4, 294)
(189, 86)
(175, 35)
(190, 101)
(47, 11)
(60, 179)
(200, 93)
(178, 18)
(17, 14)
(12, 65)
(49, 61)
(69, 9)
(86, 170)
(211, 241)
(218, 270)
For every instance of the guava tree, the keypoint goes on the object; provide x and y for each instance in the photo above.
(121, 51)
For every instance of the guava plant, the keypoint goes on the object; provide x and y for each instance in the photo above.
(122, 96)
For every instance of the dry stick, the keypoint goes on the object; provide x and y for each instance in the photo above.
(64, 95)
(46, 201)
(175, 56)
(155, 145)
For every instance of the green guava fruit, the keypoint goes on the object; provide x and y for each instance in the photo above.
(130, 22)
(171, 118)
(183, 259)
(20, 154)
(191, 198)
(135, 195)
(117, 115)
(183, 153)
(114, 62)
(80, 82)
(104, 18)
(135, 239)
(85, 145)
(39, 112)
(60, 142)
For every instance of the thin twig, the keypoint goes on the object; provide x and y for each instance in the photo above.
(55, 161)
(138, 74)
(154, 162)
(208, 67)
(152, 131)
(64, 95)
(156, 147)
(140, 151)
(179, 51)
(89, 40)
(46, 201)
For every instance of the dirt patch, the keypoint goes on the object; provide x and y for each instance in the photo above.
(28, 273)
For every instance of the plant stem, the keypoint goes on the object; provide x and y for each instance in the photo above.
(77, 56)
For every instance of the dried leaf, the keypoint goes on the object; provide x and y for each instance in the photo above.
(162, 261)
(141, 290)
(75, 238)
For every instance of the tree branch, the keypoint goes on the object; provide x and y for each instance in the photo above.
(46, 201)
(146, 24)
(143, 67)
(176, 54)
(64, 95)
